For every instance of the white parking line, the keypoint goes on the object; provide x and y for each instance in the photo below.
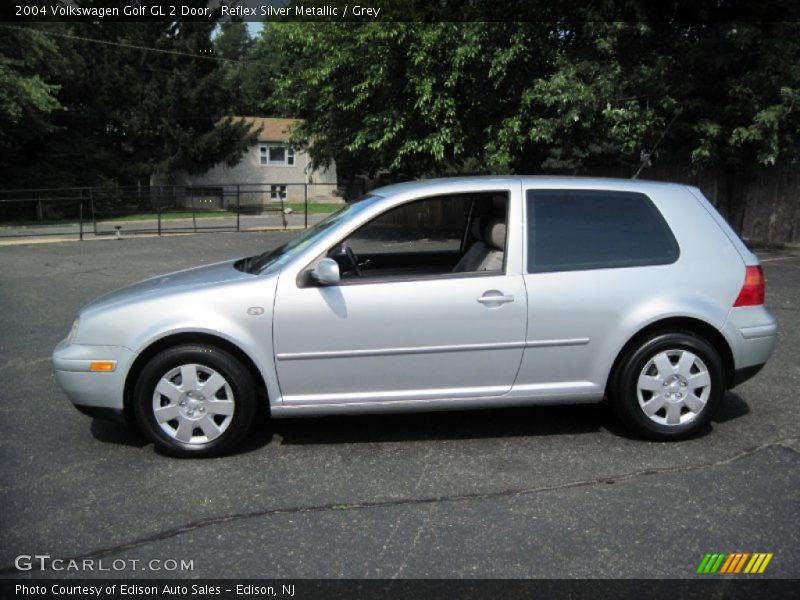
(763, 260)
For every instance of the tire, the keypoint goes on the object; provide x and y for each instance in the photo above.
(183, 416)
(669, 386)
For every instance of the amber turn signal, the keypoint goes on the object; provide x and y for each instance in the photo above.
(102, 366)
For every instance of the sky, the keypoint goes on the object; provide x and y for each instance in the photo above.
(255, 27)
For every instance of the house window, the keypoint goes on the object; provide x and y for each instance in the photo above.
(277, 192)
(276, 155)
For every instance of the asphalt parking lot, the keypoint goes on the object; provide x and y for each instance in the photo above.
(518, 493)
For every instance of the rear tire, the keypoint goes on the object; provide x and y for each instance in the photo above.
(195, 401)
(669, 386)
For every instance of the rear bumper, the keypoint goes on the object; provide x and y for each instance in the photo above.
(752, 332)
(91, 391)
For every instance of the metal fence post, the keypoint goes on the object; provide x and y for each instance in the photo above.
(159, 219)
(305, 202)
(238, 207)
(194, 214)
(282, 198)
(80, 217)
(91, 207)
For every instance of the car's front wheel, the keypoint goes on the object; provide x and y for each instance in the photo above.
(195, 400)
(669, 386)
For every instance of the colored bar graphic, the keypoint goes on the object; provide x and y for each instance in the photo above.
(736, 558)
(765, 563)
(755, 561)
(727, 564)
(712, 560)
(718, 563)
(740, 564)
(703, 563)
(737, 562)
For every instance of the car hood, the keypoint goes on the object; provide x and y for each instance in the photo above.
(171, 283)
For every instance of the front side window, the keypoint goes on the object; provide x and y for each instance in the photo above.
(427, 225)
(275, 259)
(571, 230)
(443, 235)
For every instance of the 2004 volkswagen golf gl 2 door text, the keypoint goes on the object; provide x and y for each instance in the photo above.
(442, 294)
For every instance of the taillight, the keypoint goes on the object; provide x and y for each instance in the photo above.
(752, 293)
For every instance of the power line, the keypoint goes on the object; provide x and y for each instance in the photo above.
(131, 46)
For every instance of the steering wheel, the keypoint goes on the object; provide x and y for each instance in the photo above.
(353, 260)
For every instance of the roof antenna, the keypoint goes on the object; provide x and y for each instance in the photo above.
(645, 156)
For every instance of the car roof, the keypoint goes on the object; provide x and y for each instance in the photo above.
(555, 181)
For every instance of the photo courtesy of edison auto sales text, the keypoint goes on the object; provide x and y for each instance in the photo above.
(129, 589)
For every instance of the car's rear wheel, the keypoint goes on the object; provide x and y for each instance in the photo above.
(195, 400)
(669, 386)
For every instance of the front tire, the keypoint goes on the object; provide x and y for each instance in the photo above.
(669, 386)
(195, 401)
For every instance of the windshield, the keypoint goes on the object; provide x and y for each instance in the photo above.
(282, 254)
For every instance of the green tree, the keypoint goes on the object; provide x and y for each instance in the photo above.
(150, 100)
(267, 62)
(422, 99)
(25, 93)
(251, 69)
(233, 43)
(451, 97)
(30, 64)
(177, 118)
(738, 86)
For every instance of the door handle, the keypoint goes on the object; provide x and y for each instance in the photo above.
(495, 297)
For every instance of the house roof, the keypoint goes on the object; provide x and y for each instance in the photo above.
(272, 130)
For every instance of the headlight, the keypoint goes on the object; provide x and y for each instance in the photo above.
(74, 331)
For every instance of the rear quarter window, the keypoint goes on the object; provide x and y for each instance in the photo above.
(571, 230)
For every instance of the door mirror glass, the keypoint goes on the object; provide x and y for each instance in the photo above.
(326, 272)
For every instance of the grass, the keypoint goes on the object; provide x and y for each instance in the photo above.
(297, 207)
(321, 208)
(151, 216)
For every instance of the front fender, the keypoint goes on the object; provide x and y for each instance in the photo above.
(240, 313)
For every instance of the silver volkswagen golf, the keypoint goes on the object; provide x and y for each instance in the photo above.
(433, 295)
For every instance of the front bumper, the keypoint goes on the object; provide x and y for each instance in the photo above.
(90, 391)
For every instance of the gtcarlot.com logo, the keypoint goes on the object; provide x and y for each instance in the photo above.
(735, 563)
(44, 562)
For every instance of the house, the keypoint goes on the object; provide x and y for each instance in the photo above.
(270, 171)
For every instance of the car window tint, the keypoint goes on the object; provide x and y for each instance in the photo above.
(572, 230)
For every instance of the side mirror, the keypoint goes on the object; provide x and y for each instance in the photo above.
(326, 272)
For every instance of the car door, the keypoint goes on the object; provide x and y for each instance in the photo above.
(414, 338)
